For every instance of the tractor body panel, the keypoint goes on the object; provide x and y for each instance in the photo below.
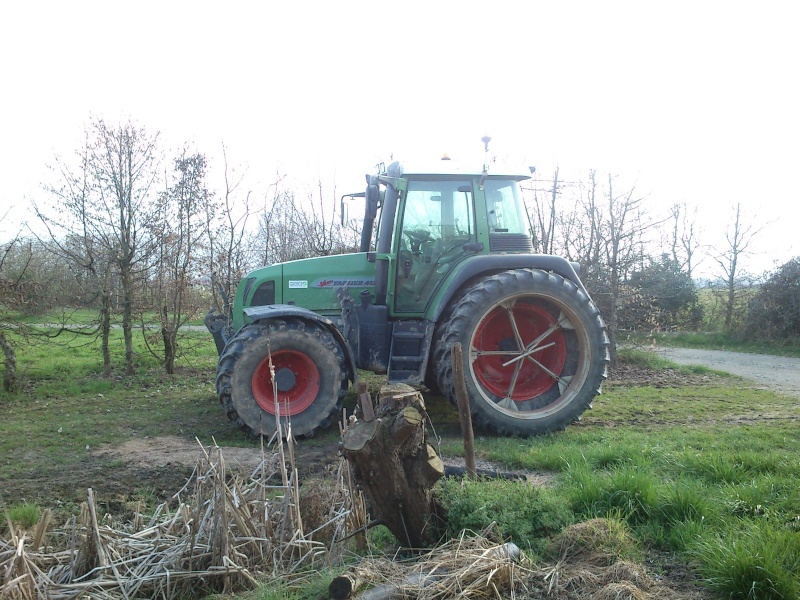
(309, 283)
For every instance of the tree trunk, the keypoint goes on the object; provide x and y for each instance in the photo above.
(170, 338)
(395, 466)
(127, 319)
(10, 382)
(731, 297)
(105, 331)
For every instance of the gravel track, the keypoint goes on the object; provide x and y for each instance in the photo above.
(776, 373)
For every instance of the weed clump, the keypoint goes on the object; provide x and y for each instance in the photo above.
(525, 514)
(24, 515)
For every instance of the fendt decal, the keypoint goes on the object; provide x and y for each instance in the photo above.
(349, 282)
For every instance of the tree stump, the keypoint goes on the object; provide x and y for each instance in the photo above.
(396, 467)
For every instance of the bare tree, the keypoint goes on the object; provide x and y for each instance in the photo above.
(738, 238)
(582, 230)
(78, 236)
(607, 235)
(123, 163)
(277, 237)
(545, 216)
(178, 232)
(322, 234)
(319, 223)
(625, 225)
(227, 256)
(684, 241)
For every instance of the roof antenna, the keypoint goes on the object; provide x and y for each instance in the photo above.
(485, 139)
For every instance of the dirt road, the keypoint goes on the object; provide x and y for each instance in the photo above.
(777, 373)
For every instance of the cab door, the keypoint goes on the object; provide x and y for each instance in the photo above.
(437, 218)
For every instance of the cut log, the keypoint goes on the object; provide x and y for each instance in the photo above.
(393, 463)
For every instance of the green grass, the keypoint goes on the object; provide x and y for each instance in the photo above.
(653, 361)
(690, 469)
(710, 472)
(75, 361)
(749, 560)
(24, 515)
(76, 317)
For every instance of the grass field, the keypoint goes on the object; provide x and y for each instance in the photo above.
(706, 469)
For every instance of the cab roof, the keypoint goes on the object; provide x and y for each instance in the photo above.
(454, 167)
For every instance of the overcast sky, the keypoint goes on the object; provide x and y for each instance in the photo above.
(696, 102)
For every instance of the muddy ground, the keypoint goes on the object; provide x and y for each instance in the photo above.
(156, 468)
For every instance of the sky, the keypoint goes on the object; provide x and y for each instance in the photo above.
(693, 102)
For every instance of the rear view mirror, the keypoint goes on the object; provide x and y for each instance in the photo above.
(345, 205)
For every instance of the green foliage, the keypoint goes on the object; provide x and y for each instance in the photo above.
(381, 539)
(749, 561)
(525, 514)
(660, 296)
(774, 310)
(24, 515)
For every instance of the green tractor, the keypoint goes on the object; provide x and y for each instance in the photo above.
(451, 261)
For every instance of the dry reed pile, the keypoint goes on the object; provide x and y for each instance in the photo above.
(591, 565)
(471, 566)
(217, 534)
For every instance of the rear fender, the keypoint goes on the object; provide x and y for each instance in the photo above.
(494, 263)
(259, 314)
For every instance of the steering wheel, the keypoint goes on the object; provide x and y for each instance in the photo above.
(418, 235)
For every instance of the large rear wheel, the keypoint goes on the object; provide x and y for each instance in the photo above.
(535, 351)
(309, 375)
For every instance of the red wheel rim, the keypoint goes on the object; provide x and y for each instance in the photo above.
(496, 342)
(298, 382)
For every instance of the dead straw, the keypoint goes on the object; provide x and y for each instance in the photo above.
(219, 533)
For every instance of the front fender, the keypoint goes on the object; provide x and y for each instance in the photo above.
(277, 311)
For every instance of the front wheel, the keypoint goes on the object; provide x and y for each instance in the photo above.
(535, 351)
(309, 376)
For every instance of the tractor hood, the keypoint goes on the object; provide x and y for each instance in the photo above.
(309, 282)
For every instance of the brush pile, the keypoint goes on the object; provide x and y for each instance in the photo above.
(471, 566)
(217, 534)
(592, 563)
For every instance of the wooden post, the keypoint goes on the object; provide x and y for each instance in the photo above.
(464, 414)
(396, 467)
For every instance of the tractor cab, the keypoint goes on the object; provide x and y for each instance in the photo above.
(432, 217)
